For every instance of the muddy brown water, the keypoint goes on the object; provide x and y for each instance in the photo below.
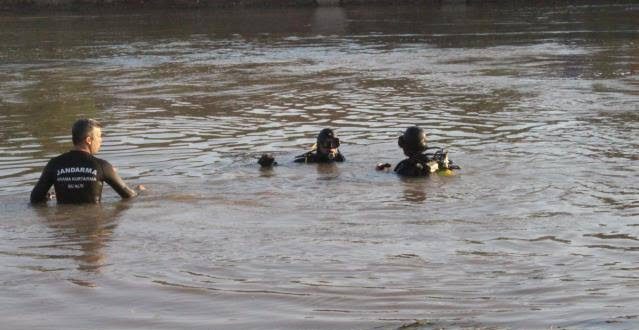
(538, 104)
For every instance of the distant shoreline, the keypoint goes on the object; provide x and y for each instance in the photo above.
(88, 5)
(39, 6)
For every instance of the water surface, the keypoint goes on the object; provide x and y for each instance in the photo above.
(540, 228)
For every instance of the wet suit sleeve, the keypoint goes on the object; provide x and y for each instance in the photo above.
(303, 158)
(114, 180)
(39, 192)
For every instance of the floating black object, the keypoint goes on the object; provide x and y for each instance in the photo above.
(267, 160)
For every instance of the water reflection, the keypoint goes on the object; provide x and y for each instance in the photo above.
(414, 189)
(83, 231)
(329, 20)
(267, 172)
(327, 171)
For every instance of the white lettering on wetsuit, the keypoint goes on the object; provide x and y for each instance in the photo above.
(86, 170)
(77, 182)
(77, 178)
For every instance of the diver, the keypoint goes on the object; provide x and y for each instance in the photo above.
(419, 163)
(77, 176)
(324, 151)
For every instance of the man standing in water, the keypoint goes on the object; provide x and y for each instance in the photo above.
(78, 176)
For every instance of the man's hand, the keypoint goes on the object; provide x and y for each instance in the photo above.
(382, 166)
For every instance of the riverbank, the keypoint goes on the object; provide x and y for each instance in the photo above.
(26, 6)
(80, 5)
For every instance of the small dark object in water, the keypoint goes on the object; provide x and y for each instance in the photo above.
(382, 166)
(267, 160)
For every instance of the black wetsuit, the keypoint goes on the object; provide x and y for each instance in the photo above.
(413, 166)
(78, 177)
(315, 157)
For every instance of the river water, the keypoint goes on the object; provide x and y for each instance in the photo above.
(538, 104)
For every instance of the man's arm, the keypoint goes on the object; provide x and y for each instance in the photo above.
(39, 192)
(113, 179)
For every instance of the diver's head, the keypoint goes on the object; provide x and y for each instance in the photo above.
(327, 142)
(413, 142)
(267, 160)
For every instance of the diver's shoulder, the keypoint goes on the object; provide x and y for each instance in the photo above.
(409, 167)
(304, 158)
(402, 164)
(308, 157)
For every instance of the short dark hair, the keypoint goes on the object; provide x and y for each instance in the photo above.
(83, 128)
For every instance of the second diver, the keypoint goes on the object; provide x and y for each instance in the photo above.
(325, 149)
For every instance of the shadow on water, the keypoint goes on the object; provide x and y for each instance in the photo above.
(80, 232)
(414, 189)
(328, 171)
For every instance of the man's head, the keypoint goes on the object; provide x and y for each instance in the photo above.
(327, 142)
(87, 135)
(413, 141)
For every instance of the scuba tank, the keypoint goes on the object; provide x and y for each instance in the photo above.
(438, 161)
(435, 161)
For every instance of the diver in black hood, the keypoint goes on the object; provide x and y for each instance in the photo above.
(420, 163)
(324, 151)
